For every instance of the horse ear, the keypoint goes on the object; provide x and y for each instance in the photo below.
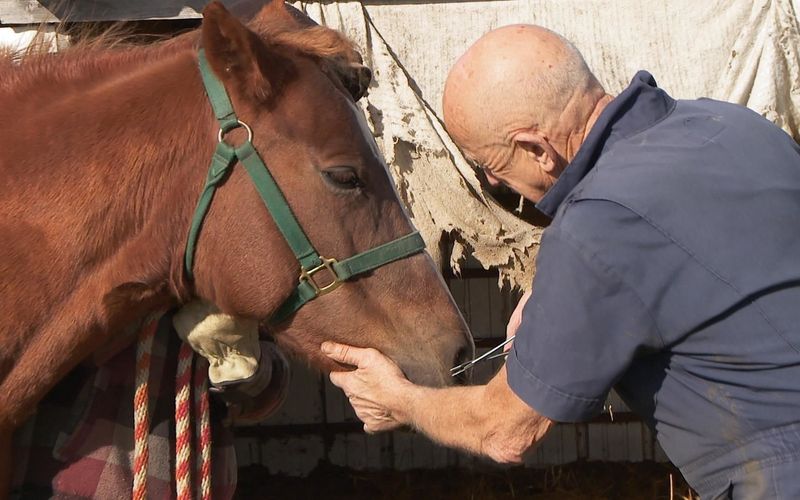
(237, 55)
(277, 9)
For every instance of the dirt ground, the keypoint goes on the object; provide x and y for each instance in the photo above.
(578, 481)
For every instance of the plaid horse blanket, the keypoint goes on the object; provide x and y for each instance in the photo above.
(79, 444)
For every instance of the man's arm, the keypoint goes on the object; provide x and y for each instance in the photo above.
(486, 419)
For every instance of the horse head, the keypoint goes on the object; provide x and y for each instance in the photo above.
(295, 87)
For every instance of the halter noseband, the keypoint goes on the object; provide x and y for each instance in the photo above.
(311, 262)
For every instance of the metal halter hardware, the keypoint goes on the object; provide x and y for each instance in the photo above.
(311, 262)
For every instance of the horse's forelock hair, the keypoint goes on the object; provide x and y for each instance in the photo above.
(317, 41)
(336, 54)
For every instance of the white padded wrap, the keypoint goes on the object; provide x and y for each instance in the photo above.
(230, 344)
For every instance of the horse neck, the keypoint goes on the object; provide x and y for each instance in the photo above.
(133, 162)
(168, 154)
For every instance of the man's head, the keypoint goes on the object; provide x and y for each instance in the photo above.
(519, 102)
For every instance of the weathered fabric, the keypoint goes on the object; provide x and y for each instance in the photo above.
(671, 270)
(80, 442)
(742, 51)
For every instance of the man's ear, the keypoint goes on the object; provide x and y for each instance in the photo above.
(238, 56)
(536, 145)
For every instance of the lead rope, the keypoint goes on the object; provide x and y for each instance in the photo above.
(202, 428)
(183, 431)
(141, 411)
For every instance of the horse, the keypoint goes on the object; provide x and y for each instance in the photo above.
(104, 153)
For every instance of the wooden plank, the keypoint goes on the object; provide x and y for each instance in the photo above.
(337, 407)
(549, 451)
(52, 11)
(479, 307)
(24, 12)
(378, 451)
(498, 316)
(439, 456)
(582, 440)
(35, 12)
(303, 403)
(617, 435)
(635, 441)
(356, 454)
(598, 442)
(658, 453)
(291, 456)
(247, 451)
(569, 445)
(403, 451)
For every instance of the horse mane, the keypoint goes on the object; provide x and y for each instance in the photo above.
(117, 45)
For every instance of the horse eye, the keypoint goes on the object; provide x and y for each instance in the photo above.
(342, 178)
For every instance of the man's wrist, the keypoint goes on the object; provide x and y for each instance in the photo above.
(408, 395)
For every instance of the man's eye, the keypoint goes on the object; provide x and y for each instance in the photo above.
(342, 178)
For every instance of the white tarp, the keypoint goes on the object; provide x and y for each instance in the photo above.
(743, 51)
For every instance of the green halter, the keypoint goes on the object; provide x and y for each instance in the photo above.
(225, 157)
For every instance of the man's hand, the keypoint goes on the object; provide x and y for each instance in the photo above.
(516, 319)
(377, 387)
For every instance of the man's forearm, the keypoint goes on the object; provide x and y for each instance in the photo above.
(485, 419)
(451, 416)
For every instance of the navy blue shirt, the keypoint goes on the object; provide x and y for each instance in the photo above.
(671, 271)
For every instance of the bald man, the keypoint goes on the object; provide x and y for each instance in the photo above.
(670, 271)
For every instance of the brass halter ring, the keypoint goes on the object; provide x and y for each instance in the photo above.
(239, 123)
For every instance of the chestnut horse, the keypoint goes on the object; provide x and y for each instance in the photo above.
(103, 154)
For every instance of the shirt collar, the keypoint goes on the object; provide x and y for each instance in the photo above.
(638, 107)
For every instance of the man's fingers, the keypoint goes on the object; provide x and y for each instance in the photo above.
(339, 379)
(346, 354)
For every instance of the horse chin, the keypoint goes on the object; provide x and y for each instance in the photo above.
(429, 374)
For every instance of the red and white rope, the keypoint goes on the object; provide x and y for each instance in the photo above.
(183, 431)
(202, 428)
(141, 411)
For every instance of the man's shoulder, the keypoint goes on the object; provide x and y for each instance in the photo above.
(594, 226)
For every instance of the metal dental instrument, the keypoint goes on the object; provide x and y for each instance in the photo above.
(490, 354)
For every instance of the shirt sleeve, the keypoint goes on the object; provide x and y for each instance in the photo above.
(580, 330)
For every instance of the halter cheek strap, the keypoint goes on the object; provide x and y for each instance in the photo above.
(311, 262)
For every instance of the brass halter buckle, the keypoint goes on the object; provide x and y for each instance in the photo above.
(308, 275)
